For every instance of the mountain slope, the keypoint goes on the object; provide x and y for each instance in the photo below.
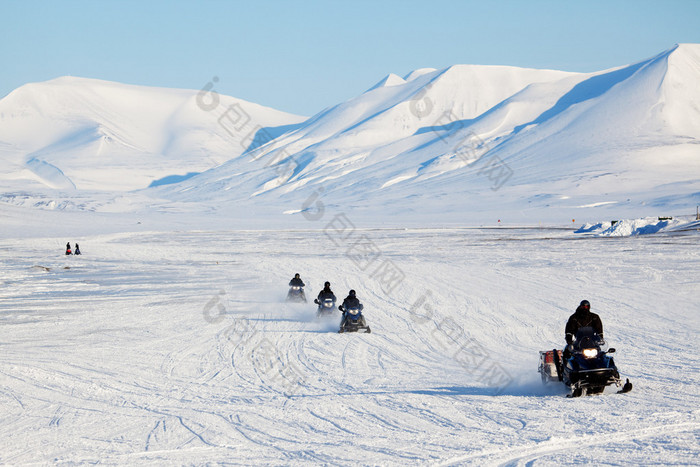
(463, 144)
(482, 139)
(101, 135)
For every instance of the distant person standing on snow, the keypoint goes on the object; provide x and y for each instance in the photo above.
(77, 249)
(68, 252)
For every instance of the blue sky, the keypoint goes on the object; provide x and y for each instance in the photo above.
(303, 56)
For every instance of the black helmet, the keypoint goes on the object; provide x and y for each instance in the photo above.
(327, 284)
(296, 276)
(585, 303)
(352, 293)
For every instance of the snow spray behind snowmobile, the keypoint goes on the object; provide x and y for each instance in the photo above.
(587, 370)
(296, 294)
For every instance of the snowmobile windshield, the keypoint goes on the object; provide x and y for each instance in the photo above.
(587, 338)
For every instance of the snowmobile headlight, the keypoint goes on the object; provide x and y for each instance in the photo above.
(328, 304)
(590, 353)
(295, 287)
(353, 311)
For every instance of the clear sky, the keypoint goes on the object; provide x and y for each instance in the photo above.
(302, 56)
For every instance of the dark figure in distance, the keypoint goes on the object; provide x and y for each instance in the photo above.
(296, 295)
(68, 252)
(77, 249)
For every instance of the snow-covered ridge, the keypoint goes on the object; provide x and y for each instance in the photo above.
(467, 142)
(469, 138)
(101, 135)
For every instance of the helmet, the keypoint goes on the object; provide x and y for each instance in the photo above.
(296, 276)
(352, 293)
(584, 304)
(327, 284)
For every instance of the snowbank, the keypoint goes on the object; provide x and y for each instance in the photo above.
(647, 225)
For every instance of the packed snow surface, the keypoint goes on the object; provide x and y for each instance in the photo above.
(178, 348)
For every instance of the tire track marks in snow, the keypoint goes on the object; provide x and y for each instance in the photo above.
(526, 454)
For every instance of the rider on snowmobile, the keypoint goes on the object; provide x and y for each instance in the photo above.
(351, 301)
(581, 318)
(296, 282)
(298, 294)
(325, 293)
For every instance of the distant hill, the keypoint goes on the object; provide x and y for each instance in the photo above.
(465, 143)
(98, 135)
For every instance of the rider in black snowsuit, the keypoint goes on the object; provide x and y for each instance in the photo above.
(351, 301)
(296, 281)
(580, 319)
(325, 293)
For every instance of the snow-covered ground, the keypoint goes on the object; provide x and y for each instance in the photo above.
(176, 347)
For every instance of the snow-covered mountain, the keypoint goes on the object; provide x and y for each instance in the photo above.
(96, 135)
(468, 142)
(469, 139)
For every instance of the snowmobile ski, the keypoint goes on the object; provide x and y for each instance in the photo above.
(626, 388)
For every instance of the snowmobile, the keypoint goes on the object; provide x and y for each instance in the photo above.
(353, 321)
(326, 307)
(588, 369)
(296, 294)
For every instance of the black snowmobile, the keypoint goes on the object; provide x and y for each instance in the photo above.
(353, 321)
(587, 370)
(296, 294)
(326, 307)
